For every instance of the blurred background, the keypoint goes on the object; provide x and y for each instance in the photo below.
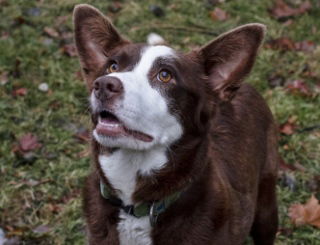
(44, 120)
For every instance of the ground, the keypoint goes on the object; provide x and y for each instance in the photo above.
(42, 174)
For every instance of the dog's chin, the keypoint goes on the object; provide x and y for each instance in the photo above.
(122, 141)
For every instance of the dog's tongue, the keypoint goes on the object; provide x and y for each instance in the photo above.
(110, 127)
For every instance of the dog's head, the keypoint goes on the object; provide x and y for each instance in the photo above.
(144, 96)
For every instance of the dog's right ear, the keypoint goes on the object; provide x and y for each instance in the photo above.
(95, 37)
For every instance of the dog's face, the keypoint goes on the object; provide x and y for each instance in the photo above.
(145, 96)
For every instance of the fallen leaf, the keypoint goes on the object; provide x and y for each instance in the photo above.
(308, 213)
(282, 43)
(4, 35)
(20, 92)
(218, 14)
(281, 10)
(288, 128)
(69, 49)
(298, 87)
(51, 32)
(29, 142)
(285, 166)
(4, 78)
(54, 208)
(306, 46)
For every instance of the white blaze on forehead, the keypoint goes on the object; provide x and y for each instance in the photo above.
(149, 55)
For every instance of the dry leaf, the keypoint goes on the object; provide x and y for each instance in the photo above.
(285, 166)
(20, 92)
(308, 213)
(298, 87)
(288, 127)
(218, 14)
(282, 10)
(51, 32)
(306, 46)
(282, 43)
(29, 142)
(4, 78)
(4, 35)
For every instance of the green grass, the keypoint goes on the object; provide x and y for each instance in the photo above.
(30, 57)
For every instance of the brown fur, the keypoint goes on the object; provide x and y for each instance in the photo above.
(227, 156)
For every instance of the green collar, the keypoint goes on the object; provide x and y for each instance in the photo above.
(151, 209)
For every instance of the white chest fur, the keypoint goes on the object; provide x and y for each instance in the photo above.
(121, 170)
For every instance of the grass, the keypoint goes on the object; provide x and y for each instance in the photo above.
(45, 191)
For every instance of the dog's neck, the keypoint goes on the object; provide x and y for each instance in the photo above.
(146, 176)
(122, 167)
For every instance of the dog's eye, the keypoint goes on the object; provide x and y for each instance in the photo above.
(113, 67)
(164, 76)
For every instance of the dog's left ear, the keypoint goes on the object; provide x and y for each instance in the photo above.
(95, 37)
(230, 57)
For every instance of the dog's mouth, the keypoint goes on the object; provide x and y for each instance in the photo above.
(110, 125)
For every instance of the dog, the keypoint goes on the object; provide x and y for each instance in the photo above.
(184, 151)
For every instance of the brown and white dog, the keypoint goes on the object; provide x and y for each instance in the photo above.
(172, 124)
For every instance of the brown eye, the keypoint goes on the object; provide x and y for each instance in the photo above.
(113, 67)
(164, 76)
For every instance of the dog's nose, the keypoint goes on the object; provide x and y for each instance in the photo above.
(107, 87)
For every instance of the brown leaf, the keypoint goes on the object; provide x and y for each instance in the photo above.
(4, 35)
(69, 49)
(20, 92)
(282, 43)
(282, 10)
(51, 32)
(29, 142)
(285, 166)
(289, 126)
(218, 14)
(308, 213)
(298, 87)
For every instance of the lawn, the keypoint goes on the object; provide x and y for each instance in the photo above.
(44, 121)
